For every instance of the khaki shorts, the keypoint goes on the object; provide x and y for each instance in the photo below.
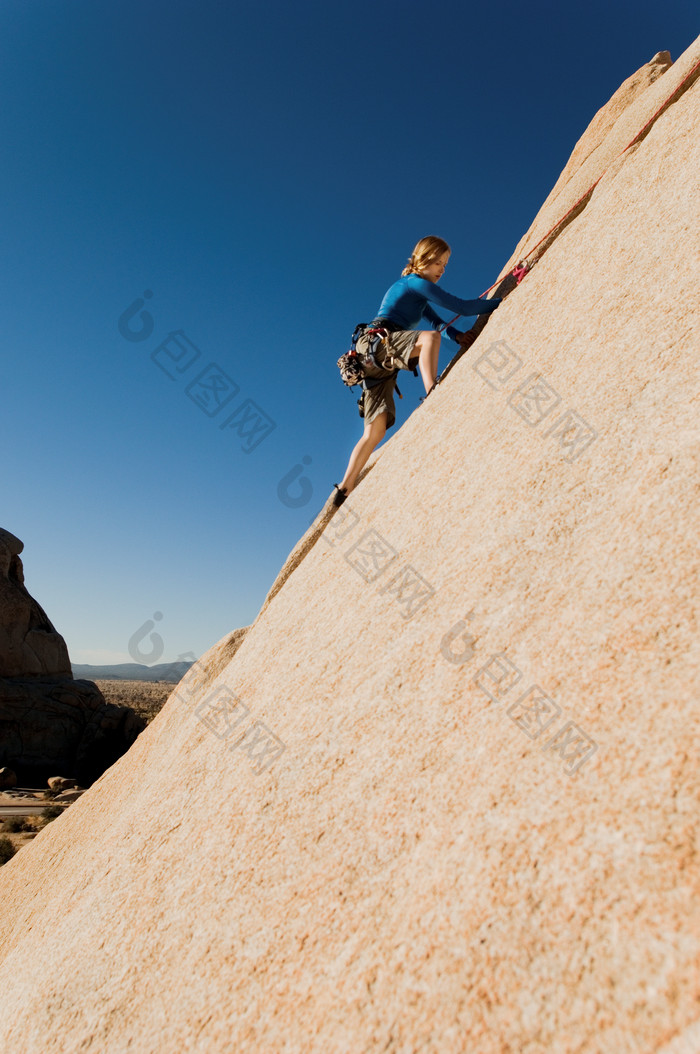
(380, 399)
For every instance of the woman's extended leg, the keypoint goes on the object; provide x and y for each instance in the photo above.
(373, 434)
(428, 348)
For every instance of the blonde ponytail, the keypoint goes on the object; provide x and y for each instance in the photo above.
(426, 251)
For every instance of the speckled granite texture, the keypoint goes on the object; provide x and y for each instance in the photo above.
(443, 794)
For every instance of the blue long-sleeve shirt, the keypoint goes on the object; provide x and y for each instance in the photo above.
(406, 303)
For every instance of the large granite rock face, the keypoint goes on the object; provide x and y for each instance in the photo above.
(443, 794)
(48, 721)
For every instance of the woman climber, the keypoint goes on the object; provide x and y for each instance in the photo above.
(403, 307)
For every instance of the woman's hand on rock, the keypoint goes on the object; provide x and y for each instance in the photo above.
(465, 340)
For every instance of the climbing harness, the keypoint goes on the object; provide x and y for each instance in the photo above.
(353, 364)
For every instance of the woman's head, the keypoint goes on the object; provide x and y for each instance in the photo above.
(430, 254)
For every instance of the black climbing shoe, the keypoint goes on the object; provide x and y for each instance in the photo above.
(340, 495)
(424, 397)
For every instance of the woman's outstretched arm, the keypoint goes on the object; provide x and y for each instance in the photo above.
(431, 291)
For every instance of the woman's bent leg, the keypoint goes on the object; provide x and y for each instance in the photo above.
(428, 348)
(372, 435)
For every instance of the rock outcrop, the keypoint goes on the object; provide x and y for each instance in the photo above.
(443, 794)
(60, 783)
(29, 644)
(8, 778)
(48, 720)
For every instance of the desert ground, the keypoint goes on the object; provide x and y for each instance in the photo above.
(147, 698)
(24, 811)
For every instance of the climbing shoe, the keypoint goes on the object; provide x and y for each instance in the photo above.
(339, 496)
(424, 397)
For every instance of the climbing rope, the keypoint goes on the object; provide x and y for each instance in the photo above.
(529, 260)
(525, 264)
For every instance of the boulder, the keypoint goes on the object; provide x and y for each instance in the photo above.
(67, 796)
(29, 644)
(8, 778)
(48, 720)
(60, 783)
(48, 724)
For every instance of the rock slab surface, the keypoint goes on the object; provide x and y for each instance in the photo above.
(442, 796)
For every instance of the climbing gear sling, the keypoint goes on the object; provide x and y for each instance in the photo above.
(352, 364)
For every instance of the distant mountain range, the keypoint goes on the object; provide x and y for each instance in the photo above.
(132, 671)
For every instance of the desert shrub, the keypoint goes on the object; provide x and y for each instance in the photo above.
(7, 850)
(13, 824)
(51, 812)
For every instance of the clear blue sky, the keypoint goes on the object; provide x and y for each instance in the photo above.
(264, 171)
